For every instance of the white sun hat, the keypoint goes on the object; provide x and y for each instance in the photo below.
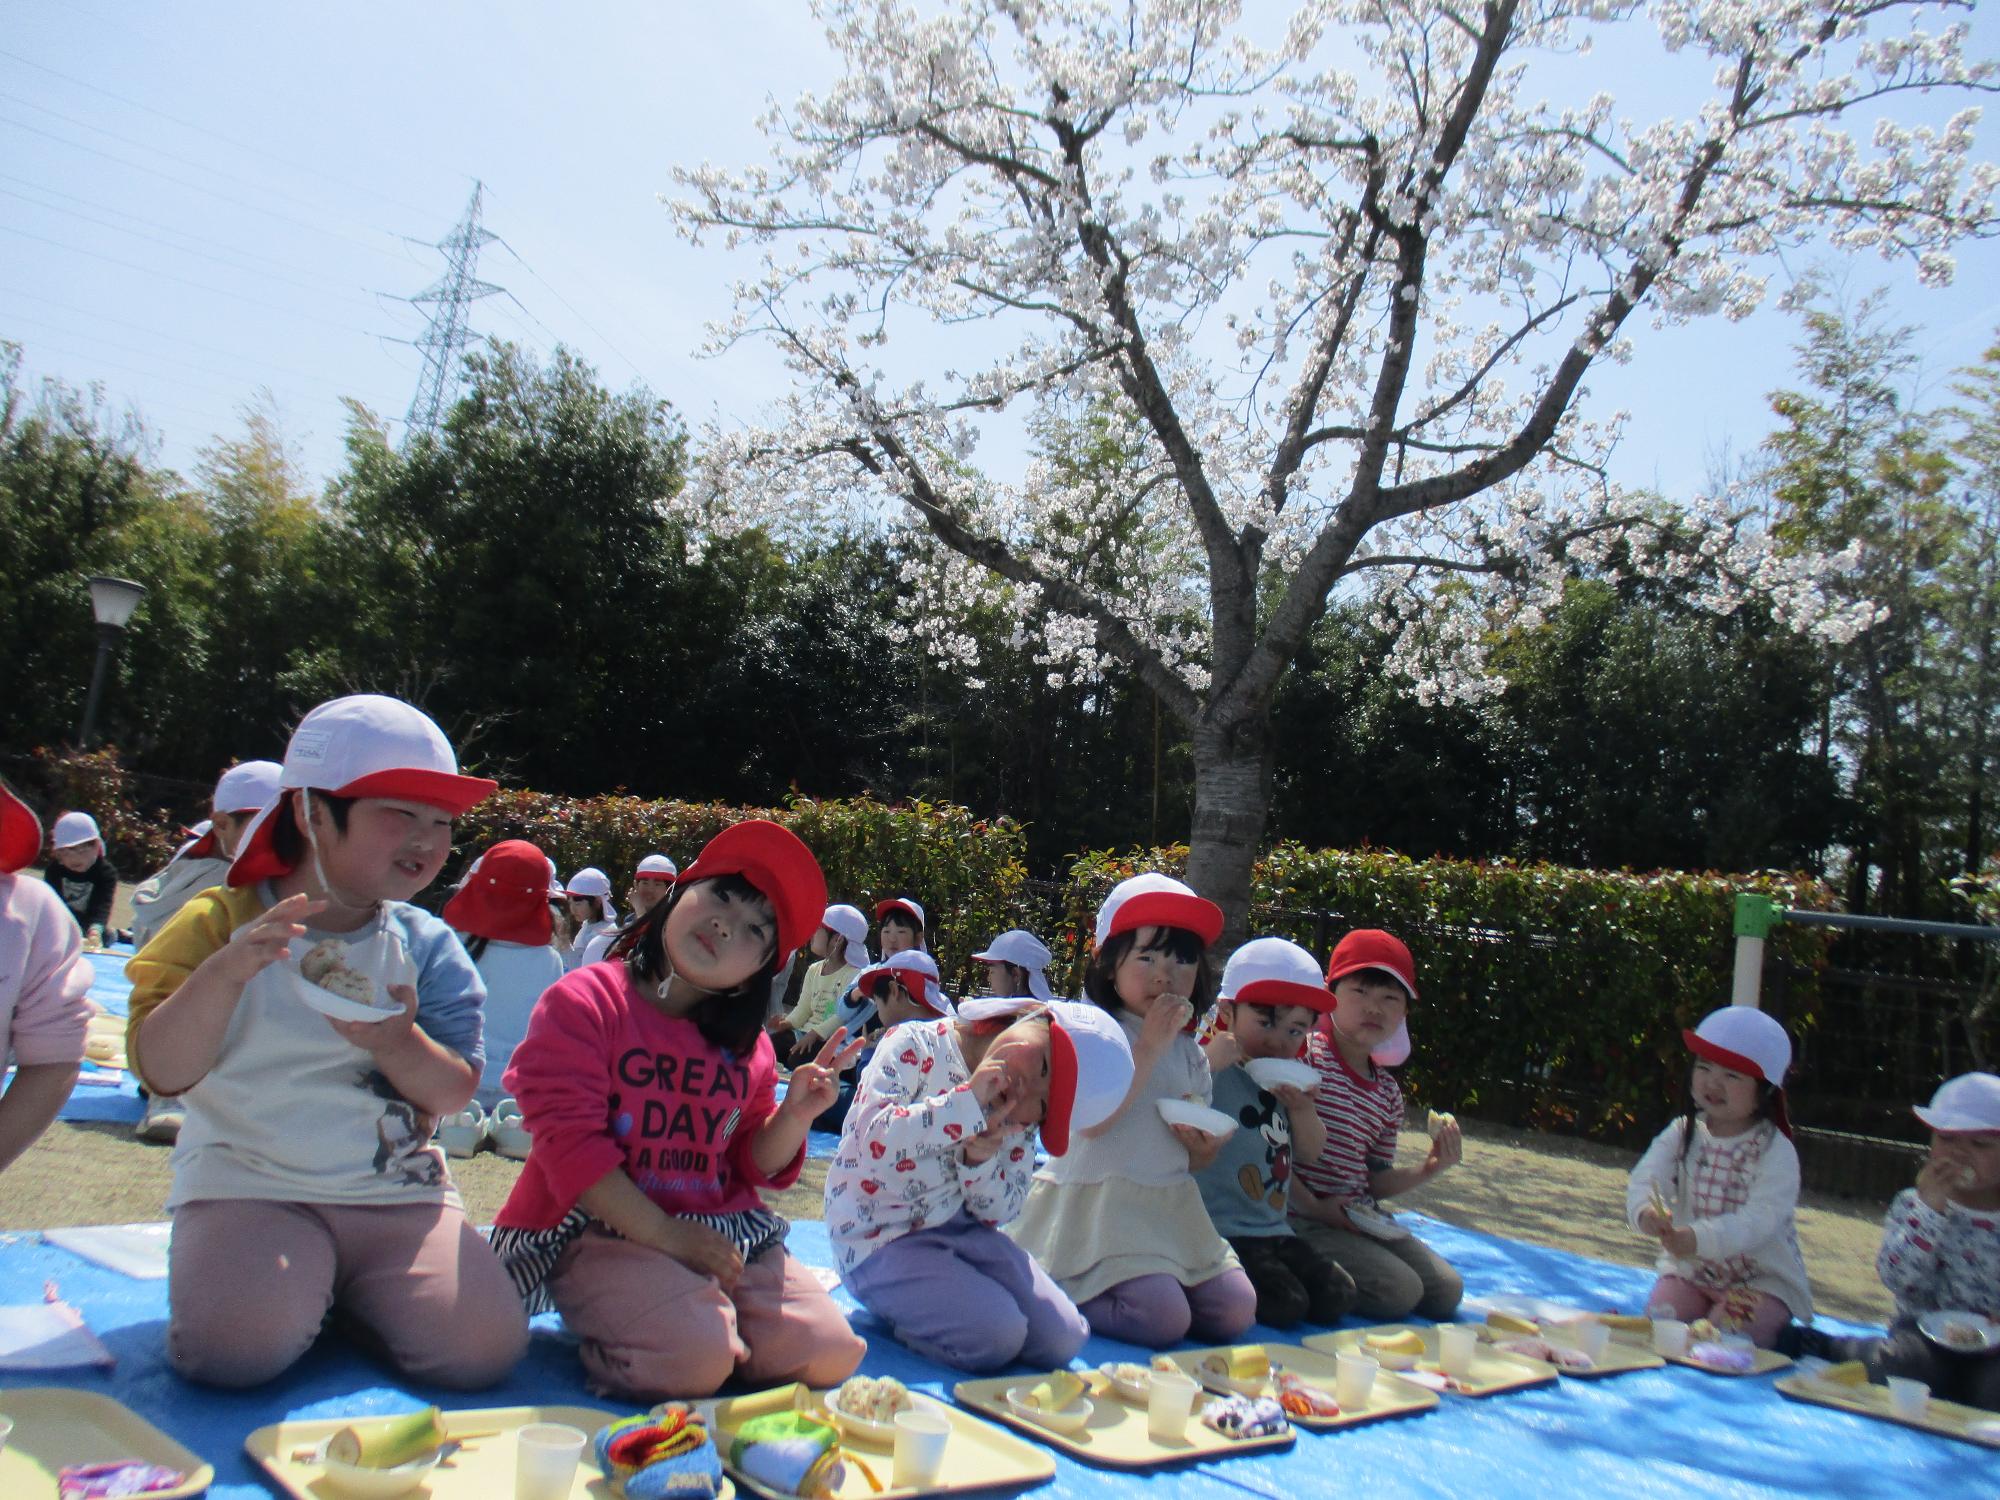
(1274, 971)
(1967, 1103)
(1155, 900)
(918, 973)
(1745, 1040)
(246, 787)
(1024, 950)
(1090, 1061)
(591, 881)
(657, 867)
(853, 929)
(74, 828)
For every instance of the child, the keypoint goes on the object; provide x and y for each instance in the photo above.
(1271, 996)
(82, 876)
(501, 913)
(305, 1181)
(903, 987)
(1118, 1221)
(901, 926)
(649, 1088)
(1015, 962)
(589, 892)
(1727, 1171)
(1335, 1199)
(43, 980)
(840, 950)
(204, 861)
(650, 883)
(935, 1157)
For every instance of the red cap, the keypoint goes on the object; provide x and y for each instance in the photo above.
(506, 897)
(20, 832)
(906, 906)
(772, 859)
(1372, 948)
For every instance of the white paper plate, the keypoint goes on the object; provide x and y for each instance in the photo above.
(379, 955)
(1375, 1223)
(1281, 1072)
(375, 1484)
(1200, 1116)
(1974, 1334)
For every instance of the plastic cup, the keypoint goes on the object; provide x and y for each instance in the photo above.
(545, 1459)
(1908, 1399)
(1593, 1338)
(6, 1431)
(1670, 1337)
(921, 1437)
(1353, 1378)
(1169, 1405)
(1456, 1343)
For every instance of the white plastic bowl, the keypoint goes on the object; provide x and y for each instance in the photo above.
(1388, 1359)
(1281, 1072)
(1235, 1385)
(864, 1430)
(1960, 1332)
(1138, 1392)
(1072, 1418)
(376, 1484)
(1200, 1116)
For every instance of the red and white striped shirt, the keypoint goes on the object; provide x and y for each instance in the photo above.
(1362, 1116)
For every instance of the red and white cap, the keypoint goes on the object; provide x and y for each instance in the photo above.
(365, 745)
(916, 971)
(905, 905)
(74, 828)
(657, 867)
(1273, 971)
(853, 929)
(1155, 900)
(1025, 951)
(772, 858)
(20, 832)
(591, 881)
(1743, 1039)
(244, 787)
(1090, 1061)
(504, 896)
(1966, 1105)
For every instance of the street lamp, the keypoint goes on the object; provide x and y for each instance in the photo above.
(112, 601)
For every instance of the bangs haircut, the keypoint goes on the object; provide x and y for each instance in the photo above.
(1100, 980)
(729, 1019)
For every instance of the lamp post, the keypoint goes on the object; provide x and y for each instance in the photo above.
(112, 601)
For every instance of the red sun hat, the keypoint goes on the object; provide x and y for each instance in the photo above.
(1155, 900)
(772, 859)
(1372, 948)
(905, 905)
(20, 832)
(505, 897)
(365, 745)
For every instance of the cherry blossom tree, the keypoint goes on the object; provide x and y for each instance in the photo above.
(1329, 297)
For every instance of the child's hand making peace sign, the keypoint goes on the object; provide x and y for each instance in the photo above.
(816, 1084)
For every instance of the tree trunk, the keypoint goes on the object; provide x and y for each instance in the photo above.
(1233, 771)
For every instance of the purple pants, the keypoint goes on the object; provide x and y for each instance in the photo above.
(969, 1297)
(1155, 1311)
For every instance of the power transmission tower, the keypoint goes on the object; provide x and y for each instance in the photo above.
(452, 294)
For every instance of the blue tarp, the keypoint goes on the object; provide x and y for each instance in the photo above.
(1673, 1432)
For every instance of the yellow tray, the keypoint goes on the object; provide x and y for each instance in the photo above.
(55, 1428)
(1621, 1356)
(483, 1470)
(978, 1455)
(1945, 1418)
(1116, 1434)
(1391, 1396)
(1492, 1370)
(1762, 1361)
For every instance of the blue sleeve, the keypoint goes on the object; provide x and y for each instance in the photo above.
(451, 997)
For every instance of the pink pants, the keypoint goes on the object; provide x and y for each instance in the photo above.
(651, 1328)
(1690, 1302)
(251, 1281)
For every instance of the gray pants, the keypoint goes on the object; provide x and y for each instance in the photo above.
(1392, 1278)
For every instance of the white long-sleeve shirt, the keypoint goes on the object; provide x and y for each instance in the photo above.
(1931, 1260)
(1740, 1196)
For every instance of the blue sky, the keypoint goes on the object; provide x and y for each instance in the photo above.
(202, 200)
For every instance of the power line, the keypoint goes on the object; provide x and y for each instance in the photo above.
(11, 319)
(634, 368)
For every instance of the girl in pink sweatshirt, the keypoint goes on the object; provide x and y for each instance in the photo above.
(649, 1087)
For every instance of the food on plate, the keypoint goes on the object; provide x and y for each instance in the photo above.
(1243, 1362)
(1409, 1341)
(1701, 1331)
(1563, 1356)
(326, 966)
(1436, 1120)
(1501, 1322)
(1057, 1392)
(119, 1476)
(387, 1442)
(1133, 1378)
(1847, 1372)
(662, 1454)
(872, 1399)
(1300, 1399)
(1732, 1358)
(1245, 1416)
(791, 1453)
(1965, 1336)
(1625, 1322)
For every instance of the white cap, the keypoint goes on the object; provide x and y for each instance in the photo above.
(918, 973)
(74, 828)
(555, 880)
(656, 867)
(1155, 900)
(246, 787)
(1969, 1102)
(1090, 1061)
(1739, 1034)
(1023, 949)
(1273, 971)
(853, 926)
(591, 881)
